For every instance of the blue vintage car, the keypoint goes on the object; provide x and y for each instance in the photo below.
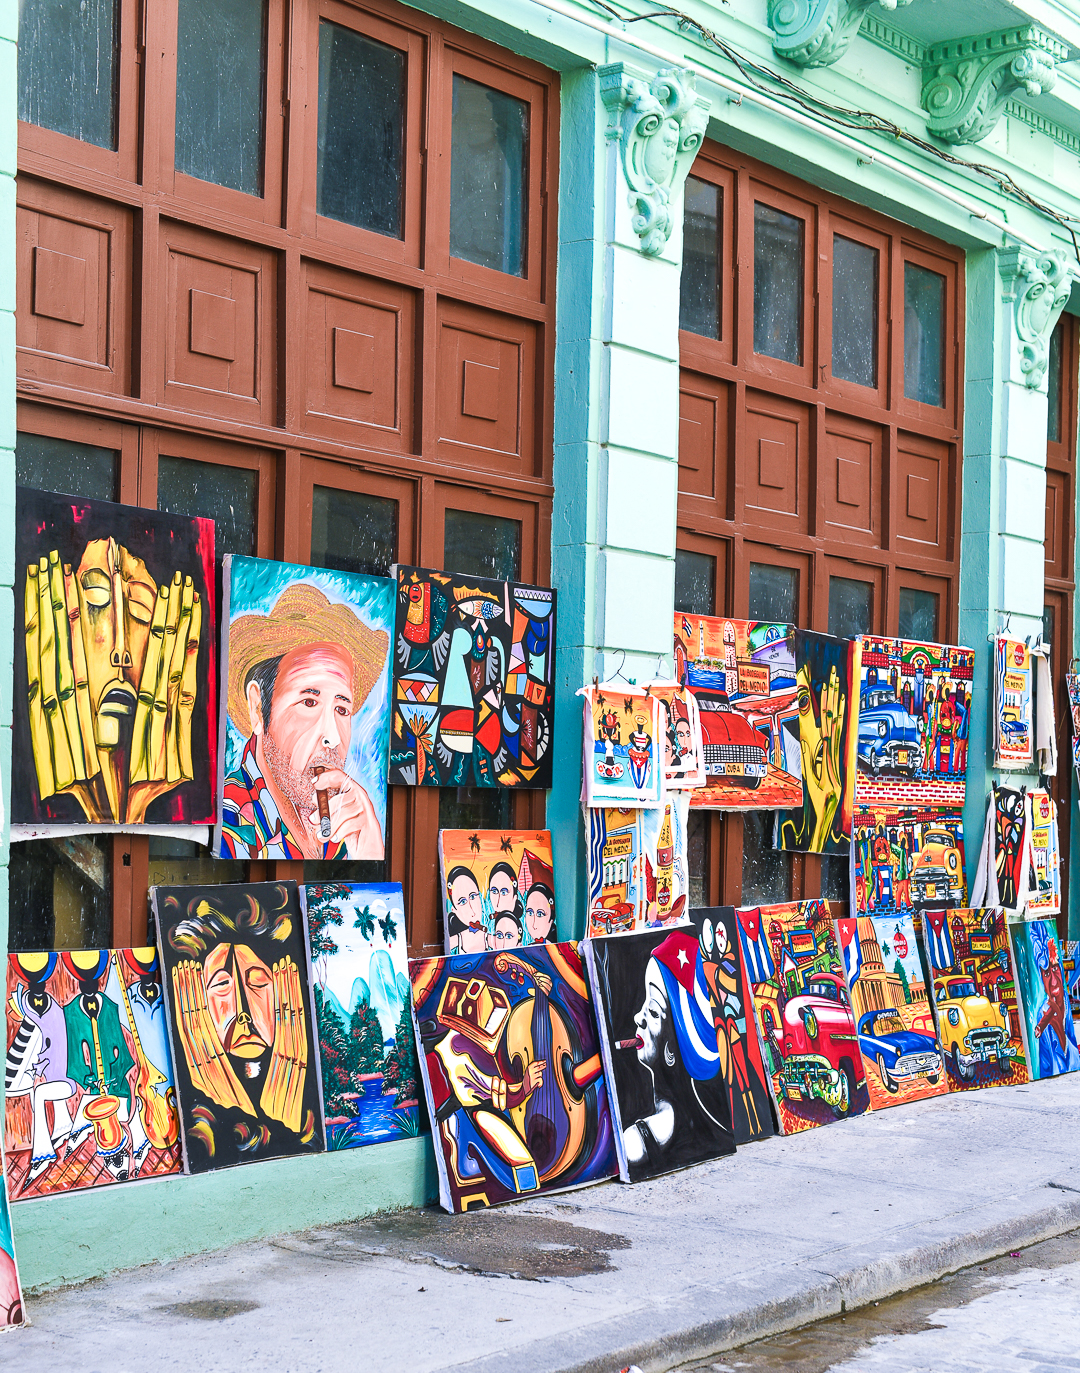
(888, 735)
(898, 1052)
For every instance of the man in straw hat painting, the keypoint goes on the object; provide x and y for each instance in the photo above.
(297, 679)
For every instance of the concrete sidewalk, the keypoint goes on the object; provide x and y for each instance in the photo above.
(656, 1274)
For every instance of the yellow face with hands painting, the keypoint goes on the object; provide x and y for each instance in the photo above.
(111, 663)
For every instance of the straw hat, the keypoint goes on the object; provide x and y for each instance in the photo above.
(301, 617)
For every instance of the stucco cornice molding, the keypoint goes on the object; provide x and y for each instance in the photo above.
(1037, 286)
(659, 126)
(817, 33)
(967, 82)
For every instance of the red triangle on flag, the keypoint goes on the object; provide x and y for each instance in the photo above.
(750, 920)
(936, 919)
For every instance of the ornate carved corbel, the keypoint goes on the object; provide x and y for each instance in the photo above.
(968, 81)
(817, 33)
(1038, 286)
(659, 128)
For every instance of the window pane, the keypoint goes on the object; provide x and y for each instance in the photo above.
(352, 532)
(61, 893)
(361, 130)
(225, 495)
(346, 870)
(68, 67)
(482, 545)
(699, 292)
(924, 335)
(835, 878)
(918, 615)
(854, 311)
(181, 863)
(766, 872)
(221, 91)
(774, 594)
(697, 857)
(474, 808)
(778, 283)
(73, 469)
(1053, 385)
(1048, 624)
(851, 607)
(695, 582)
(489, 136)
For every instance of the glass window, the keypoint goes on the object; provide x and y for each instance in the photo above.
(778, 283)
(361, 168)
(835, 878)
(766, 872)
(774, 594)
(68, 67)
(489, 138)
(221, 91)
(854, 311)
(226, 495)
(73, 469)
(61, 893)
(348, 870)
(918, 615)
(924, 335)
(182, 863)
(353, 532)
(695, 582)
(482, 545)
(851, 607)
(474, 808)
(1053, 385)
(699, 291)
(1048, 624)
(697, 857)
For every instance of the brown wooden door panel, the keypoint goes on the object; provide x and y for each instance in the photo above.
(704, 419)
(1057, 551)
(851, 479)
(73, 272)
(220, 312)
(922, 495)
(774, 468)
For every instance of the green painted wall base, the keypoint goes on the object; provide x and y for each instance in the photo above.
(61, 1240)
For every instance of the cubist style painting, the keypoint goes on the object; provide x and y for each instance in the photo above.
(512, 1071)
(1046, 1012)
(498, 889)
(89, 1089)
(305, 712)
(115, 719)
(360, 979)
(235, 971)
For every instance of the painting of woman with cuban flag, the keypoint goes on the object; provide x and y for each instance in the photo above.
(661, 1058)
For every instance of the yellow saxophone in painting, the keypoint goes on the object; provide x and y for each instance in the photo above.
(111, 662)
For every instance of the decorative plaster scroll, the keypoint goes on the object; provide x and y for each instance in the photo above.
(967, 82)
(817, 33)
(659, 127)
(1038, 286)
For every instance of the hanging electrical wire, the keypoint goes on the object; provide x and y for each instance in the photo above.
(766, 81)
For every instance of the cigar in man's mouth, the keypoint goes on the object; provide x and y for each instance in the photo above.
(323, 802)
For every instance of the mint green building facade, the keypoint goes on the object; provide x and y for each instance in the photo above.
(988, 82)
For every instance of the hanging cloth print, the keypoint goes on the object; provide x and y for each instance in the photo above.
(623, 761)
(1005, 873)
(1013, 736)
(680, 735)
(1045, 854)
(1072, 684)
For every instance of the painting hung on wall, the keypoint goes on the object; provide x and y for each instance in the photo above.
(680, 736)
(1005, 875)
(623, 762)
(1013, 733)
(305, 714)
(893, 1018)
(11, 1302)
(498, 889)
(974, 998)
(115, 719)
(512, 1071)
(90, 1095)
(828, 710)
(1072, 683)
(235, 973)
(1046, 1013)
(742, 674)
(474, 667)
(907, 859)
(1045, 899)
(662, 1060)
(741, 1064)
(803, 1013)
(1070, 970)
(360, 981)
(637, 866)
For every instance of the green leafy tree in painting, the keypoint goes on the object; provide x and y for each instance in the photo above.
(899, 970)
(365, 923)
(399, 1070)
(324, 913)
(388, 925)
(366, 1035)
(336, 1052)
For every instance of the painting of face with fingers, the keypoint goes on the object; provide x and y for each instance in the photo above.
(115, 695)
(305, 712)
(828, 728)
(235, 971)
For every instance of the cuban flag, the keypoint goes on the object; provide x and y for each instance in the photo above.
(849, 942)
(756, 951)
(688, 997)
(938, 940)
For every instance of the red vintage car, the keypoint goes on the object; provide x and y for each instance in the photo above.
(819, 1045)
(732, 747)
